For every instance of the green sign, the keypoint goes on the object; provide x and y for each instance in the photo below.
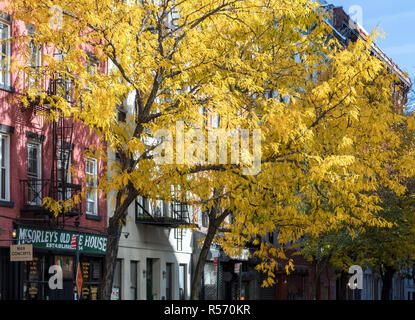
(61, 240)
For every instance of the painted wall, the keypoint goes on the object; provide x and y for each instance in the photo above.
(22, 120)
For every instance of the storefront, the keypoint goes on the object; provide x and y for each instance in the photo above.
(56, 247)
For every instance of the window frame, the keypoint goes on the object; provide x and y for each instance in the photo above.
(94, 191)
(68, 157)
(35, 61)
(6, 158)
(5, 76)
(139, 211)
(38, 177)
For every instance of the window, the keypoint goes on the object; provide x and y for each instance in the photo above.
(122, 116)
(157, 208)
(203, 218)
(64, 165)
(62, 82)
(35, 62)
(91, 182)
(4, 167)
(133, 280)
(182, 282)
(92, 64)
(34, 175)
(140, 206)
(5, 53)
(169, 281)
(92, 278)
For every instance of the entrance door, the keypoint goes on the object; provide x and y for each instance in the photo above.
(67, 293)
(149, 279)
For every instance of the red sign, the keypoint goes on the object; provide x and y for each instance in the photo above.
(73, 242)
(238, 267)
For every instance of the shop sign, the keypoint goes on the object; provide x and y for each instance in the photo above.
(61, 240)
(21, 252)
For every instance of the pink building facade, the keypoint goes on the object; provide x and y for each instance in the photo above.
(40, 159)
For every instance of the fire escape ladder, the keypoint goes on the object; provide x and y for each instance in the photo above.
(61, 187)
(180, 214)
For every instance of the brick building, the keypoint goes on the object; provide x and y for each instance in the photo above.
(36, 158)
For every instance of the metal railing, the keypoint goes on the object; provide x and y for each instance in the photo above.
(35, 190)
(41, 81)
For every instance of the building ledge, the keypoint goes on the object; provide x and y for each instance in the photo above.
(7, 88)
(93, 217)
(7, 204)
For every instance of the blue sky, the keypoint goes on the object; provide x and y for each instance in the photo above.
(397, 19)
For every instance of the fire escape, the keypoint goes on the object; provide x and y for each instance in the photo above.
(177, 219)
(58, 187)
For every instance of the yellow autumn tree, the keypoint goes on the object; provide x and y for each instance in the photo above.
(353, 146)
(267, 69)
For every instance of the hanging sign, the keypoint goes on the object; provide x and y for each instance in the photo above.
(21, 252)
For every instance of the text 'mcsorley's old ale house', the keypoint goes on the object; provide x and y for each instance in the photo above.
(41, 159)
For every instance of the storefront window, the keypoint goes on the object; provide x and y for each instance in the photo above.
(91, 276)
(36, 277)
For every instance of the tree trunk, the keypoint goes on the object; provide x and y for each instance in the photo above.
(320, 265)
(197, 277)
(114, 232)
(387, 277)
(314, 284)
(214, 224)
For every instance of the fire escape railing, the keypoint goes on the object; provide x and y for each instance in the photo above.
(178, 219)
(59, 186)
(34, 190)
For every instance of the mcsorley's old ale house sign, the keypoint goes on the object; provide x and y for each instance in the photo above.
(61, 240)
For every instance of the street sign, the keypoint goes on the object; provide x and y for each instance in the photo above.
(21, 252)
(237, 268)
